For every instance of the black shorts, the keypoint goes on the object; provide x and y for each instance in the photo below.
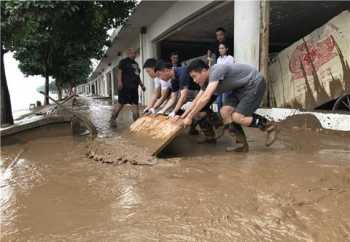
(248, 101)
(128, 96)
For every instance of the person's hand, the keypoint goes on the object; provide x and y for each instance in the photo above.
(176, 118)
(172, 114)
(187, 121)
(145, 111)
(151, 111)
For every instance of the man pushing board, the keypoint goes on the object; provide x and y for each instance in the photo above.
(243, 87)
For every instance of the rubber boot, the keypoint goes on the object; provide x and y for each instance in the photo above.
(215, 120)
(241, 143)
(193, 130)
(208, 131)
(266, 126)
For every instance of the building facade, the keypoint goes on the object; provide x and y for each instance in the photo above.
(260, 30)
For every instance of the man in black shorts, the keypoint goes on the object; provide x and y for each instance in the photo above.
(128, 82)
(244, 89)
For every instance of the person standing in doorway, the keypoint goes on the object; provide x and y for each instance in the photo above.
(221, 38)
(227, 59)
(224, 56)
(174, 59)
(128, 81)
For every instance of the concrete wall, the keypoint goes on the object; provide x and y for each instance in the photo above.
(247, 31)
(246, 36)
(314, 69)
(174, 16)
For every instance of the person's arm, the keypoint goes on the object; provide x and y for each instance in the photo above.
(121, 67)
(171, 102)
(195, 100)
(203, 100)
(182, 99)
(164, 95)
(119, 79)
(155, 96)
(141, 85)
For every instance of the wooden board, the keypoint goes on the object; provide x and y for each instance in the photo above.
(158, 131)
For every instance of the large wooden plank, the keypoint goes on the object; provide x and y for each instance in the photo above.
(156, 131)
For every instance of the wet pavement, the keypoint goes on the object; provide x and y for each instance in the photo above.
(297, 190)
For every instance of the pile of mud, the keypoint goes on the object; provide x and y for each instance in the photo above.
(119, 150)
(305, 132)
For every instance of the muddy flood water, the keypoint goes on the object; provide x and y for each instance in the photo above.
(297, 190)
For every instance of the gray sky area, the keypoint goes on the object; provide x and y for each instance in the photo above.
(22, 89)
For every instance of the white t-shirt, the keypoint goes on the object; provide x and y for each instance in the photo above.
(164, 85)
(227, 59)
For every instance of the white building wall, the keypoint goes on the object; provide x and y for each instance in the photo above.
(168, 20)
(247, 31)
(177, 13)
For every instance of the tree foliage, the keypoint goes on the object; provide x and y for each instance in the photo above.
(57, 39)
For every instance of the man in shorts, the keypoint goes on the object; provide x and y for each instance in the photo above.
(128, 82)
(244, 89)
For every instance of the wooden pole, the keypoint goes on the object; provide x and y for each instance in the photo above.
(264, 45)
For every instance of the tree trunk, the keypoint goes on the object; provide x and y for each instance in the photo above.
(6, 108)
(46, 102)
(59, 93)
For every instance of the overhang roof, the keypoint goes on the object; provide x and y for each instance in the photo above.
(145, 14)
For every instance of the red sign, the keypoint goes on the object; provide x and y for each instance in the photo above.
(311, 53)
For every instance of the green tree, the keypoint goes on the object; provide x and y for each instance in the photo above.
(71, 73)
(9, 35)
(59, 36)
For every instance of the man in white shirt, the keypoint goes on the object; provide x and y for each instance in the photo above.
(161, 88)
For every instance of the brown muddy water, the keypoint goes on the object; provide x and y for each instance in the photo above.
(297, 190)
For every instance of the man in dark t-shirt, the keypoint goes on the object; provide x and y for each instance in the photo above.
(221, 38)
(183, 90)
(174, 59)
(128, 82)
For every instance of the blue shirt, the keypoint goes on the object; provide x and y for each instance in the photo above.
(183, 80)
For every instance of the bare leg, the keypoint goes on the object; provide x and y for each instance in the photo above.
(135, 112)
(116, 110)
(226, 114)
